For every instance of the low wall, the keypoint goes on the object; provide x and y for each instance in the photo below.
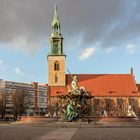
(112, 119)
(38, 119)
(42, 119)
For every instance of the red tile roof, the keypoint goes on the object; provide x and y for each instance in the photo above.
(102, 85)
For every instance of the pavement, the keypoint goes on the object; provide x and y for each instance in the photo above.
(31, 132)
(60, 134)
(70, 131)
(107, 134)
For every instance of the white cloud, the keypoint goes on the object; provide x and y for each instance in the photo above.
(22, 43)
(86, 53)
(109, 50)
(18, 71)
(2, 65)
(21, 74)
(131, 48)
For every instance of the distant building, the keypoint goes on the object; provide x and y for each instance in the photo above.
(110, 91)
(38, 93)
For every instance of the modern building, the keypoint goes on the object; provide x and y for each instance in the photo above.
(37, 93)
(119, 90)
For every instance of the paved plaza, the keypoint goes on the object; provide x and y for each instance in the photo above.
(42, 132)
(107, 134)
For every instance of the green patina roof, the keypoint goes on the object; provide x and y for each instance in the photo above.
(56, 39)
(55, 20)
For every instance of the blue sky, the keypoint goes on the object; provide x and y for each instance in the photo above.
(105, 41)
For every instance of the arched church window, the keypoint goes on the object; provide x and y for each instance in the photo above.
(56, 66)
(56, 78)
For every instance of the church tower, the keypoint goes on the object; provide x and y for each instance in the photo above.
(56, 57)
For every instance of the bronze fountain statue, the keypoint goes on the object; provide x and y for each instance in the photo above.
(75, 103)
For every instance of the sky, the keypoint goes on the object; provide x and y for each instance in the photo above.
(100, 36)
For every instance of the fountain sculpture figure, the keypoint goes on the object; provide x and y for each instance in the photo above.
(75, 103)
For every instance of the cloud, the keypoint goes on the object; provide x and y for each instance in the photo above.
(87, 53)
(131, 48)
(28, 22)
(21, 75)
(18, 71)
(2, 65)
(109, 50)
(21, 43)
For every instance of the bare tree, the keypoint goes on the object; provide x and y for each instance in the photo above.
(2, 104)
(21, 102)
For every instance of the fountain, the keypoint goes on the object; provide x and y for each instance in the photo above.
(75, 103)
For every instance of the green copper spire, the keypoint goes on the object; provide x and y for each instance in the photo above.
(56, 31)
(56, 39)
(55, 13)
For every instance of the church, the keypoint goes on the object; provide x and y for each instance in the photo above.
(112, 92)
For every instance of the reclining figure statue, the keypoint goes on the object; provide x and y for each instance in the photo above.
(71, 112)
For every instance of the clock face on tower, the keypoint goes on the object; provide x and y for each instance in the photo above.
(56, 47)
